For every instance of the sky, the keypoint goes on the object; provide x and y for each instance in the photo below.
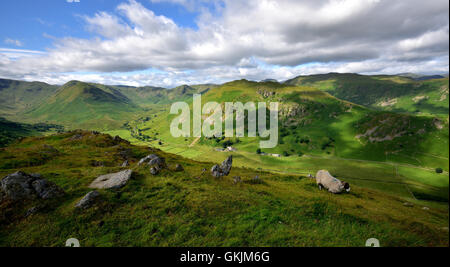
(173, 42)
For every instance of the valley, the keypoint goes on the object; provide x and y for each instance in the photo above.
(395, 151)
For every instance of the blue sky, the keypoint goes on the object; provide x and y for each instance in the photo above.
(31, 21)
(173, 42)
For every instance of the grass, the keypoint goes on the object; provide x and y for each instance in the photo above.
(193, 209)
(429, 97)
(332, 142)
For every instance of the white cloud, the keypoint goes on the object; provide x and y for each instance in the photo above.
(13, 42)
(253, 39)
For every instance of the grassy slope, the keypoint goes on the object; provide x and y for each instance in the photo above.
(403, 166)
(429, 97)
(191, 209)
(83, 105)
(18, 96)
(11, 131)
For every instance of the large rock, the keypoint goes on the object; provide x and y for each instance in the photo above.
(88, 200)
(112, 180)
(147, 159)
(333, 185)
(21, 185)
(224, 169)
(226, 165)
(157, 162)
(216, 171)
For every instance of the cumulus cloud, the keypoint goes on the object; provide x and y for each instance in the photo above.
(253, 39)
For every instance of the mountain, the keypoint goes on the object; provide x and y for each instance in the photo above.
(396, 162)
(191, 208)
(384, 92)
(316, 130)
(18, 96)
(319, 131)
(420, 77)
(85, 105)
(269, 80)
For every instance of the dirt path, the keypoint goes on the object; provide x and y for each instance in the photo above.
(194, 142)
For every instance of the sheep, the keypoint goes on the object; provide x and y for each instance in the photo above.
(335, 186)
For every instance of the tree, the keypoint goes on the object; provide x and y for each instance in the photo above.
(258, 151)
(439, 170)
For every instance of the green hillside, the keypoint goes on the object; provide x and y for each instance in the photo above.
(11, 131)
(383, 92)
(77, 104)
(18, 96)
(377, 149)
(191, 208)
(147, 96)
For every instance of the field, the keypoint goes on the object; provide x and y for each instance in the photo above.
(390, 156)
(194, 209)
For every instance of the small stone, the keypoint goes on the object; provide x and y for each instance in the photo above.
(31, 211)
(154, 171)
(408, 204)
(426, 208)
(179, 168)
(76, 137)
(237, 179)
(256, 180)
(125, 164)
(88, 200)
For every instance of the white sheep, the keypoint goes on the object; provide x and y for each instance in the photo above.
(335, 186)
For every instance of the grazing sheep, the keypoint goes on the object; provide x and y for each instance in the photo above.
(335, 186)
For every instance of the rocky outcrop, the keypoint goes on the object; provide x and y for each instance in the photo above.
(88, 200)
(293, 110)
(266, 93)
(76, 137)
(157, 162)
(224, 169)
(333, 185)
(112, 180)
(21, 185)
(147, 159)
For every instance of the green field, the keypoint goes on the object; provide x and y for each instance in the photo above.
(194, 209)
(389, 154)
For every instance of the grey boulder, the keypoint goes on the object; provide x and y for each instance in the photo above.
(147, 159)
(112, 180)
(224, 169)
(21, 185)
(157, 162)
